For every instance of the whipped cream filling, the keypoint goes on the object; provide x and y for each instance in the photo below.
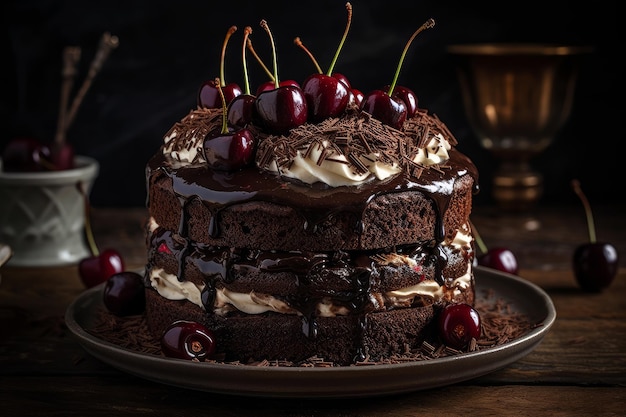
(168, 286)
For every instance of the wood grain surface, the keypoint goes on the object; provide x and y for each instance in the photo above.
(578, 369)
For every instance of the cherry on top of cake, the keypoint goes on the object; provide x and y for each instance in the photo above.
(320, 132)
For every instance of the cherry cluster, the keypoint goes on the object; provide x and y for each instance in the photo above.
(279, 106)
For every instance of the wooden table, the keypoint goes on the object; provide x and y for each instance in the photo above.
(578, 369)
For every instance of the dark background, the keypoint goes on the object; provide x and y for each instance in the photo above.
(168, 48)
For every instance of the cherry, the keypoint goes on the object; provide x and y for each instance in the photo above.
(595, 263)
(270, 85)
(282, 108)
(188, 340)
(499, 258)
(458, 325)
(389, 110)
(124, 294)
(386, 106)
(208, 96)
(327, 95)
(408, 96)
(227, 148)
(62, 156)
(96, 269)
(356, 97)
(230, 150)
(241, 108)
(25, 154)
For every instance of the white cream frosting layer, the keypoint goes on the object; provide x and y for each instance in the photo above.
(168, 286)
(335, 171)
(183, 144)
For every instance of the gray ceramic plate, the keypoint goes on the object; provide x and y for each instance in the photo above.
(351, 381)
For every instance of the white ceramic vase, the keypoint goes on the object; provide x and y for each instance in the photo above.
(42, 214)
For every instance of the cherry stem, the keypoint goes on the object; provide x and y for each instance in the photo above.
(224, 110)
(343, 39)
(298, 42)
(427, 25)
(478, 239)
(91, 241)
(230, 32)
(590, 223)
(274, 60)
(258, 58)
(246, 33)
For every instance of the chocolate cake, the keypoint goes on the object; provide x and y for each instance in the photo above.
(285, 259)
(308, 221)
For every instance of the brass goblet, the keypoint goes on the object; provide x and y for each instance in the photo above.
(516, 97)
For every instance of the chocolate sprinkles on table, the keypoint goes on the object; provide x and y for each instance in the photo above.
(500, 324)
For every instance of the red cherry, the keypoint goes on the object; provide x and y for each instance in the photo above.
(241, 110)
(389, 110)
(386, 106)
(96, 269)
(325, 96)
(595, 265)
(124, 294)
(188, 340)
(458, 324)
(501, 259)
(282, 108)
(62, 156)
(25, 154)
(408, 96)
(208, 96)
(356, 97)
(270, 85)
(343, 79)
(229, 151)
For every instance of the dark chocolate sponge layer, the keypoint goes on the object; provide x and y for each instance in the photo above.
(257, 210)
(274, 336)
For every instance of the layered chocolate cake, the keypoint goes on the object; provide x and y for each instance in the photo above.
(342, 240)
(308, 221)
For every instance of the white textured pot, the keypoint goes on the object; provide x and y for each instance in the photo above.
(42, 214)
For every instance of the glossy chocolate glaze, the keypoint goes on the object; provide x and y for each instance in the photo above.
(315, 203)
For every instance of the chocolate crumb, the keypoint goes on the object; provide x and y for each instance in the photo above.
(500, 324)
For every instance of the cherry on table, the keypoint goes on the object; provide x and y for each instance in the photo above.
(96, 269)
(595, 263)
(499, 258)
(190, 340)
(124, 294)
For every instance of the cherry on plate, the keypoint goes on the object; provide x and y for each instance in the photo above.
(188, 340)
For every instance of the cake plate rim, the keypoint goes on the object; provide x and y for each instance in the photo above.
(333, 382)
